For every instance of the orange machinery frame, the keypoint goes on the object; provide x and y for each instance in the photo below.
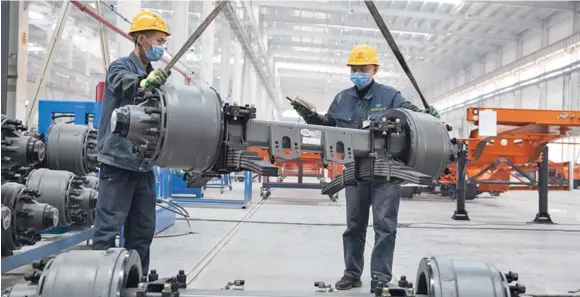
(522, 136)
(521, 143)
(558, 174)
(311, 164)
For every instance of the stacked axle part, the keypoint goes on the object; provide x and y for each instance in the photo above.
(27, 217)
(46, 180)
(118, 272)
(189, 128)
(72, 148)
(21, 152)
(67, 193)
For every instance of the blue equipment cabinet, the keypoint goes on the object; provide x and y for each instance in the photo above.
(80, 110)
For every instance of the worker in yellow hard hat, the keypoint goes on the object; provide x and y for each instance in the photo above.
(126, 183)
(354, 108)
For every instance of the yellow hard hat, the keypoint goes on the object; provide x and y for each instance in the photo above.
(147, 20)
(363, 55)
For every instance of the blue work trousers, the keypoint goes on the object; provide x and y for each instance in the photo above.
(384, 199)
(126, 198)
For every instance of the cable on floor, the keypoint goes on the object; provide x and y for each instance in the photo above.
(178, 210)
(431, 225)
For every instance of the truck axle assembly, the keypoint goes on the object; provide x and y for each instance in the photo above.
(189, 128)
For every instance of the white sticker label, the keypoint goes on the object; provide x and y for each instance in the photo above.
(488, 123)
(305, 132)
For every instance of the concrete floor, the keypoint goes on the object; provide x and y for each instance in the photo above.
(295, 238)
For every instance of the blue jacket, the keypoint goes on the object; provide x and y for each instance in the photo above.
(349, 111)
(122, 82)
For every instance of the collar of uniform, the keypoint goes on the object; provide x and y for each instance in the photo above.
(371, 91)
(137, 63)
(368, 95)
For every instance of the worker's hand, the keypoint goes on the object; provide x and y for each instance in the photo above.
(302, 110)
(156, 78)
(432, 111)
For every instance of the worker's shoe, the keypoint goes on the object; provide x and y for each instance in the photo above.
(347, 283)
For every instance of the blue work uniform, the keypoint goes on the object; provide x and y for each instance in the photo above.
(350, 109)
(126, 183)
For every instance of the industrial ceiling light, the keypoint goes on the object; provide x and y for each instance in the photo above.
(35, 15)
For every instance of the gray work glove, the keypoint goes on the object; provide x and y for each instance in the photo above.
(156, 78)
(302, 111)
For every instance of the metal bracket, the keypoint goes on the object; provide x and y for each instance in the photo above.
(285, 138)
(336, 143)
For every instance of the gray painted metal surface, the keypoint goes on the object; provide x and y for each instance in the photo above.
(28, 217)
(428, 154)
(65, 191)
(72, 148)
(192, 133)
(90, 273)
(445, 277)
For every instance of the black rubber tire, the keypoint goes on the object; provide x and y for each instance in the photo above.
(407, 192)
(471, 192)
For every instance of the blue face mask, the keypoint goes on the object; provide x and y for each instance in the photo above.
(360, 79)
(156, 52)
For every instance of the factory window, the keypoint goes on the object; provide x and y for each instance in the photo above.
(307, 14)
(320, 15)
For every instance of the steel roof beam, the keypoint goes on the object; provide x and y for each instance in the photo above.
(463, 57)
(505, 38)
(476, 49)
(556, 5)
(394, 12)
(384, 67)
(251, 40)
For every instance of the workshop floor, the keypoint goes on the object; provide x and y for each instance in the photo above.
(295, 238)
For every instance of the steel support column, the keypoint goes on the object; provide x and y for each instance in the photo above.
(543, 86)
(22, 62)
(245, 99)
(543, 217)
(128, 9)
(576, 18)
(251, 39)
(237, 74)
(545, 35)
(9, 56)
(105, 55)
(574, 102)
(179, 33)
(571, 101)
(252, 82)
(572, 163)
(88, 60)
(460, 213)
(207, 45)
(70, 48)
(5, 28)
(47, 63)
(226, 67)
